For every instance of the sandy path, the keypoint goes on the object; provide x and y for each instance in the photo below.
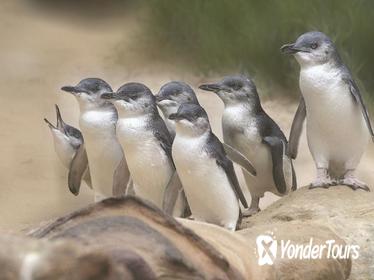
(40, 55)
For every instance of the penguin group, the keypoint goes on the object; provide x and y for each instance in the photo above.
(174, 160)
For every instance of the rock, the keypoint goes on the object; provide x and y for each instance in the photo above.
(294, 269)
(323, 213)
(141, 238)
(128, 237)
(240, 249)
(26, 258)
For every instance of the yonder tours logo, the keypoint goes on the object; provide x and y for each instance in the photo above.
(269, 249)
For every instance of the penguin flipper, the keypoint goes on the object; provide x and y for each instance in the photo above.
(296, 129)
(230, 172)
(87, 177)
(294, 179)
(353, 88)
(171, 193)
(216, 149)
(276, 146)
(130, 187)
(121, 178)
(240, 159)
(78, 166)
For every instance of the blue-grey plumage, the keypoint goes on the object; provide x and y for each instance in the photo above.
(211, 186)
(174, 94)
(98, 124)
(331, 102)
(251, 131)
(170, 97)
(68, 140)
(146, 142)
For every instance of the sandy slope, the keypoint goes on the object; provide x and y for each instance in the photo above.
(37, 56)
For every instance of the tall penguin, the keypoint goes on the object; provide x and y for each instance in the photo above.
(251, 131)
(337, 122)
(98, 118)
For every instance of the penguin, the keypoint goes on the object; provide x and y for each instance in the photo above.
(250, 130)
(337, 122)
(67, 142)
(147, 145)
(208, 177)
(176, 93)
(109, 172)
(170, 97)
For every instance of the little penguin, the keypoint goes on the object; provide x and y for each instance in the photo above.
(251, 131)
(67, 141)
(170, 97)
(147, 145)
(208, 177)
(174, 94)
(337, 123)
(108, 167)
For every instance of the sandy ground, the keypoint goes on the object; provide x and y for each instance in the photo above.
(40, 54)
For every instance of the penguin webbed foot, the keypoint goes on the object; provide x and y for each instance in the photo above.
(354, 184)
(254, 208)
(323, 180)
(250, 211)
(322, 183)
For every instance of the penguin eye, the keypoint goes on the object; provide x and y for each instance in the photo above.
(236, 86)
(314, 46)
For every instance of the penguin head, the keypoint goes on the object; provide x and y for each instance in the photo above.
(233, 89)
(132, 99)
(312, 48)
(191, 119)
(172, 95)
(64, 132)
(88, 91)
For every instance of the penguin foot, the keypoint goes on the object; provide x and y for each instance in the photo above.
(250, 211)
(354, 184)
(322, 183)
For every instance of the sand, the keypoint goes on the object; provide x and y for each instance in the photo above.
(38, 55)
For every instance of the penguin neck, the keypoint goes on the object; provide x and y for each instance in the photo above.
(146, 116)
(334, 61)
(192, 132)
(167, 111)
(85, 106)
(251, 106)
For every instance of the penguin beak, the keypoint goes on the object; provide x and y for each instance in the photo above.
(159, 98)
(51, 126)
(71, 89)
(108, 96)
(176, 117)
(60, 122)
(173, 117)
(210, 87)
(291, 49)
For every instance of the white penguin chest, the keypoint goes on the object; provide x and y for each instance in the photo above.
(103, 150)
(324, 91)
(63, 148)
(206, 185)
(241, 131)
(148, 163)
(190, 158)
(335, 125)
